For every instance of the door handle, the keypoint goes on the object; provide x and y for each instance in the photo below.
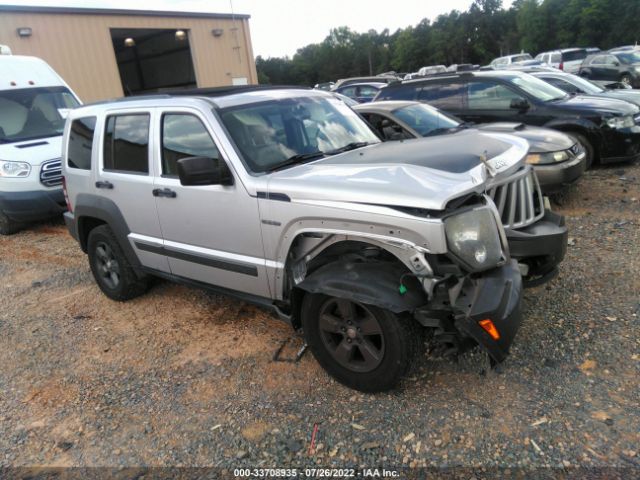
(164, 192)
(104, 184)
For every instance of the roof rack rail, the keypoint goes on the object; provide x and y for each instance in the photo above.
(222, 91)
(197, 92)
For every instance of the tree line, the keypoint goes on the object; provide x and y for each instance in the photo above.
(485, 31)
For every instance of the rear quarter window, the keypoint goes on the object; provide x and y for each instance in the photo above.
(446, 96)
(404, 92)
(80, 143)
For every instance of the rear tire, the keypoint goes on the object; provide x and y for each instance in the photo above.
(362, 346)
(7, 226)
(626, 79)
(111, 269)
(588, 148)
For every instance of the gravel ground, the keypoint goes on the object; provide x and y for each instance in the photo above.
(182, 377)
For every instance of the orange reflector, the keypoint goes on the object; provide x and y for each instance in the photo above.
(490, 328)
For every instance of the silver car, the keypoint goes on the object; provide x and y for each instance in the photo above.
(286, 198)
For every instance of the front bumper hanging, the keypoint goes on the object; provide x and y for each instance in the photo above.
(496, 296)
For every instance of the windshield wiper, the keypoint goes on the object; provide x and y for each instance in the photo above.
(300, 157)
(348, 147)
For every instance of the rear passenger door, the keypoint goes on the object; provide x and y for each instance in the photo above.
(450, 97)
(211, 233)
(124, 177)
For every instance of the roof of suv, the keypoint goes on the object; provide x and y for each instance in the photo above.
(220, 97)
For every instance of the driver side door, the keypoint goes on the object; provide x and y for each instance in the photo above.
(211, 233)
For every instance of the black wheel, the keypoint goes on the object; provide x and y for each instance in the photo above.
(110, 267)
(362, 346)
(588, 148)
(626, 79)
(7, 226)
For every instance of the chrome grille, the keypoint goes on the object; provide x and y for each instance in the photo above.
(51, 173)
(518, 198)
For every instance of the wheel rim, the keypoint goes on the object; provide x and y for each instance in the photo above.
(626, 80)
(107, 266)
(351, 334)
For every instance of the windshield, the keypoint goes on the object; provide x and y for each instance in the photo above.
(32, 113)
(537, 88)
(583, 84)
(271, 134)
(631, 57)
(424, 119)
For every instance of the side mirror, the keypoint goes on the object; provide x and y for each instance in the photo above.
(520, 104)
(616, 64)
(194, 171)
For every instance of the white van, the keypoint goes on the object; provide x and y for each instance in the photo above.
(34, 102)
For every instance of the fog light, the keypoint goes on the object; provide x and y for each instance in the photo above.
(490, 328)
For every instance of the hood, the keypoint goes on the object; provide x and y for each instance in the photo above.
(632, 96)
(541, 140)
(34, 152)
(597, 104)
(422, 173)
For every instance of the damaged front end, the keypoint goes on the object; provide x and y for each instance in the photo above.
(476, 309)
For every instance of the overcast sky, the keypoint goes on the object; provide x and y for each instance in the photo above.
(280, 27)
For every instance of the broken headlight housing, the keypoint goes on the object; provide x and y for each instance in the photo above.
(473, 237)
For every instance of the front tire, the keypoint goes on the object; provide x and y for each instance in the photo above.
(111, 269)
(362, 346)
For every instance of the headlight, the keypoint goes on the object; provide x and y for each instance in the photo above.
(473, 237)
(548, 157)
(620, 122)
(14, 169)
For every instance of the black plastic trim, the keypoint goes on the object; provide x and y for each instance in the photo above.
(244, 269)
(280, 197)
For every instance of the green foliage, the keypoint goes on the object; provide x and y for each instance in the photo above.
(485, 31)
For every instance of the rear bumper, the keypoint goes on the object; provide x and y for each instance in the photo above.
(553, 178)
(32, 206)
(541, 246)
(496, 296)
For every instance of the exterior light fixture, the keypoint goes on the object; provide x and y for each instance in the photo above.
(217, 32)
(24, 31)
(129, 42)
(181, 35)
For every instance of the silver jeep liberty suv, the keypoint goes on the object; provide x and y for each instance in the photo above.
(286, 198)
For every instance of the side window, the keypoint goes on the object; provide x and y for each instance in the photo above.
(449, 96)
(401, 92)
(610, 60)
(349, 92)
(490, 96)
(126, 143)
(80, 143)
(598, 60)
(184, 135)
(562, 85)
(367, 92)
(556, 58)
(387, 128)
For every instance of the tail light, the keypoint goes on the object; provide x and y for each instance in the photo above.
(561, 67)
(66, 194)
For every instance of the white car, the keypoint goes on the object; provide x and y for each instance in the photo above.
(34, 102)
(503, 62)
(568, 59)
